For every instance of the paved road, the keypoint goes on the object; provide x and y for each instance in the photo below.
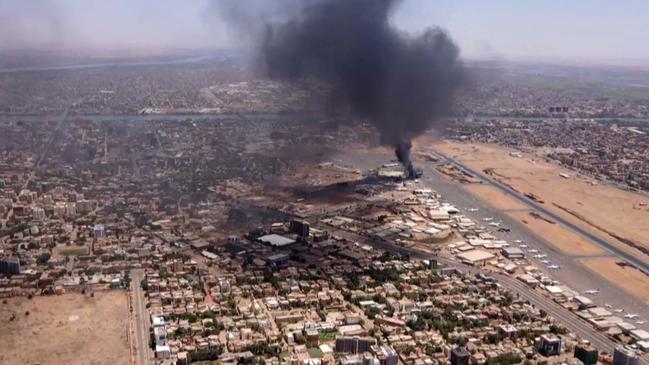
(141, 317)
(540, 208)
(564, 316)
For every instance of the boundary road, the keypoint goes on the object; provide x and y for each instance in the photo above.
(141, 317)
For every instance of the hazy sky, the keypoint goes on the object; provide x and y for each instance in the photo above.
(564, 30)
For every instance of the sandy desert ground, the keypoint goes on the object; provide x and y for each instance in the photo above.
(65, 329)
(628, 278)
(563, 239)
(494, 196)
(558, 236)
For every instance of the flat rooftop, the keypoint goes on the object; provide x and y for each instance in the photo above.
(276, 240)
(475, 255)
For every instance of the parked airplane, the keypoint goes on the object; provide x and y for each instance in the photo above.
(592, 291)
(641, 322)
(631, 316)
(619, 310)
(472, 210)
(554, 267)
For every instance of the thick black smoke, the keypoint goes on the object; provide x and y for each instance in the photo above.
(400, 83)
(402, 150)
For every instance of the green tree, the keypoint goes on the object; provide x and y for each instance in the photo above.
(43, 258)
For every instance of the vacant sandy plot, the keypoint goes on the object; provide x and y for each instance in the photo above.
(560, 237)
(598, 208)
(494, 197)
(62, 250)
(66, 329)
(632, 280)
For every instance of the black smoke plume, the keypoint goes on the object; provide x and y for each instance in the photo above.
(402, 150)
(400, 83)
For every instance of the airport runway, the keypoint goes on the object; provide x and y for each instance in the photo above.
(538, 207)
(572, 272)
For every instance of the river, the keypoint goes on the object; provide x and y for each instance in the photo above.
(271, 117)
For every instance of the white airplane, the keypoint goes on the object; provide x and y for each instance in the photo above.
(619, 310)
(592, 291)
(517, 241)
(523, 246)
(631, 316)
(488, 219)
(538, 256)
(494, 224)
(472, 210)
(545, 262)
(641, 322)
(533, 250)
(554, 267)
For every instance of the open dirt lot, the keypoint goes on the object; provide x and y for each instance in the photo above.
(65, 329)
(602, 209)
(634, 281)
(494, 197)
(560, 237)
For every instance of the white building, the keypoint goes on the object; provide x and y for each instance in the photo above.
(38, 213)
(162, 352)
(160, 334)
(99, 231)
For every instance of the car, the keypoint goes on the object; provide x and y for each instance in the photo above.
(592, 291)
